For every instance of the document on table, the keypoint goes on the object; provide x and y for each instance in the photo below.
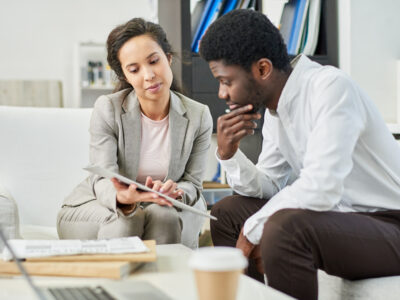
(43, 248)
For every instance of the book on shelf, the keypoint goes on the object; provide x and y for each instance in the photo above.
(287, 19)
(113, 266)
(312, 27)
(210, 13)
(211, 10)
(252, 5)
(297, 20)
(239, 4)
(244, 4)
(273, 10)
(298, 26)
(196, 16)
(196, 36)
(304, 35)
(228, 6)
(214, 12)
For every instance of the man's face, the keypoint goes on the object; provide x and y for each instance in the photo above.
(237, 86)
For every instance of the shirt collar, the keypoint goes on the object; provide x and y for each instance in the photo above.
(300, 63)
(131, 102)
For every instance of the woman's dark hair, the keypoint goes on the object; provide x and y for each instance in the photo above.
(242, 37)
(122, 33)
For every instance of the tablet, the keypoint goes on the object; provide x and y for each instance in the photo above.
(109, 174)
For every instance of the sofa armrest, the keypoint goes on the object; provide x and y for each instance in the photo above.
(9, 219)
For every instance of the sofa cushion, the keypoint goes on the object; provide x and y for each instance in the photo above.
(9, 220)
(335, 288)
(38, 232)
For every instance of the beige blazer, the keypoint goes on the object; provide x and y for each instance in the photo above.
(115, 134)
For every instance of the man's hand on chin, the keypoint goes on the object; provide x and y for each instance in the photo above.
(232, 127)
(250, 251)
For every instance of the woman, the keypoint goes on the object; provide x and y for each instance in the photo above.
(145, 131)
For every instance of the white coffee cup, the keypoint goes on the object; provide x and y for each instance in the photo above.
(217, 271)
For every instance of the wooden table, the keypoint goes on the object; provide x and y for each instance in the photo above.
(170, 273)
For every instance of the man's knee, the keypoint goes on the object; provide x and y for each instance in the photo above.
(289, 220)
(224, 210)
(281, 230)
(232, 206)
(223, 206)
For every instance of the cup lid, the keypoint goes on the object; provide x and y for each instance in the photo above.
(218, 259)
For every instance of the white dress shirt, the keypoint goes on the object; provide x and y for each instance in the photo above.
(326, 148)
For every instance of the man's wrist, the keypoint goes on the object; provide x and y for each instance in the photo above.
(224, 156)
(244, 244)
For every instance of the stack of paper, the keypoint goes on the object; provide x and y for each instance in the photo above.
(45, 248)
(113, 258)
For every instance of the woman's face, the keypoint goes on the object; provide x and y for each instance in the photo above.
(146, 68)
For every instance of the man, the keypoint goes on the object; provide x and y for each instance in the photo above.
(325, 193)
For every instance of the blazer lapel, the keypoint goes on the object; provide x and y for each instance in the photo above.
(131, 124)
(177, 127)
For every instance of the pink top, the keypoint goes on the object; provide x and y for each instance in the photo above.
(155, 149)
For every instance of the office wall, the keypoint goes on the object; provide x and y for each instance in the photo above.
(37, 37)
(369, 46)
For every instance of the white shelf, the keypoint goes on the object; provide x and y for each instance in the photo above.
(393, 127)
(85, 93)
(98, 88)
(214, 195)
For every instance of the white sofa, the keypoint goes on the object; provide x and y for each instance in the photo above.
(42, 152)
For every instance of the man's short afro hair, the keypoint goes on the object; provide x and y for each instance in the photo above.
(242, 37)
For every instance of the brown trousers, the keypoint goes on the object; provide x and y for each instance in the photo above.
(297, 242)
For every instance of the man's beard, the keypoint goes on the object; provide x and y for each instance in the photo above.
(255, 95)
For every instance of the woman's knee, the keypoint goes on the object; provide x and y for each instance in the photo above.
(82, 222)
(162, 224)
(223, 206)
(231, 207)
(223, 211)
(168, 216)
(123, 226)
